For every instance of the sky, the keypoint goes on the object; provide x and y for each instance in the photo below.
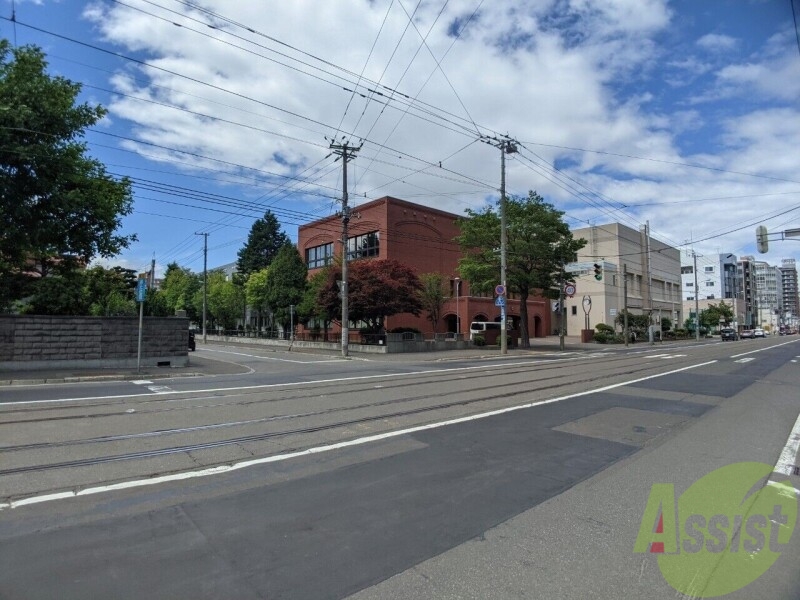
(684, 114)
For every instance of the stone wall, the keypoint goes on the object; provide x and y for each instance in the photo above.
(35, 342)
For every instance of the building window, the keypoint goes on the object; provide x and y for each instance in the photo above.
(710, 297)
(689, 284)
(690, 297)
(687, 270)
(362, 246)
(574, 310)
(319, 256)
(709, 284)
(709, 269)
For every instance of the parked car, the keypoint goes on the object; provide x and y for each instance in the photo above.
(192, 344)
(747, 333)
(759, 333)
(728, 334)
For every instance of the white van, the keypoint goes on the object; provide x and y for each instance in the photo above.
(481, 327)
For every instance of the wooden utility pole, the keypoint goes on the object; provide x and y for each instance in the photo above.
(346, 152)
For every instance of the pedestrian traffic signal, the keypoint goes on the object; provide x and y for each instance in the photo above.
(598, 271)
(761, 239)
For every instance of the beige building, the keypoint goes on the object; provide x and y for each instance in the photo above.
(620, 249)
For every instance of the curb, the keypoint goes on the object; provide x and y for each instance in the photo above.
(91, 378)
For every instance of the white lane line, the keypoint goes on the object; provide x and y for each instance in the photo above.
(327, 448)
(745, 360)
(141, 381)
(298, 362)
(267, 386)
(789, 456)
(762, 349)
(159, 389)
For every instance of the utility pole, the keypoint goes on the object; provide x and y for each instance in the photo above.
(346, 152)
(561, 311)
(625, 303)
(205, 281)
(649, 284)
(696, 301)
(506, 146)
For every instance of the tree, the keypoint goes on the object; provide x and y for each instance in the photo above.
(59, 207)
(377, 289)
(263, 244)
(255, 291)
(539, 245)
(309, 311)
(178, 290)
(58, 295)
(432, 296)
(286, 283)
(225, 300)
(716, 313)
(110, 292)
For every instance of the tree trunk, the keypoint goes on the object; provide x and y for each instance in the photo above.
(525, 341)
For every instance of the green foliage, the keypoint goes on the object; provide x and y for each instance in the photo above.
(603, 337)
(285, 283)
(539, 244)
(479, 340)
(711, 317)
(377, 289)
(666, 324)
(603, 328)
(225, 302)
(432, 296)
(58, 295)
(179, 288)
(255, 290)
(263, 244)
(309, 309)
(636, 322)
(58, 207)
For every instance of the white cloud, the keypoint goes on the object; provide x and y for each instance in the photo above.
(716, 42)
(571, 73)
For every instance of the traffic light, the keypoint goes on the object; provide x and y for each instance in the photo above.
(598, 271)
(761, 239)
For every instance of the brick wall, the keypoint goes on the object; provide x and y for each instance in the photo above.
(31, 342)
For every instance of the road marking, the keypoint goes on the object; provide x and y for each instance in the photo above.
(762, 349)
(266, 386)
(299, 362)
(141, 381)
(159, 389)
(327, 448)
(789, 456)
(744, 360)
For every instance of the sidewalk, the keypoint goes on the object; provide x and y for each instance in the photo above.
(198, 366)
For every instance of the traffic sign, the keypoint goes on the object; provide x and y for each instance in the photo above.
(500, 301)
(500, 290)
(141, 290)
(570, 289)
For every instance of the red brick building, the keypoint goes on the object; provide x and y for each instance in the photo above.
(423, 239)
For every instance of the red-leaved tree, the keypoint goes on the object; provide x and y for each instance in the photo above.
(377, 289)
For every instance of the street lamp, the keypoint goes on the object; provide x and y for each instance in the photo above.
(458, 313)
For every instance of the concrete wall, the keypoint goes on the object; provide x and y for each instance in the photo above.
(36, 342)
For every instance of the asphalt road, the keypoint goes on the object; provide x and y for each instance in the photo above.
(311, 477)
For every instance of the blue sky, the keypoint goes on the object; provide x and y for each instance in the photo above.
(684, 114)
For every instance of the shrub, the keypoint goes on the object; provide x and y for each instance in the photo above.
(479, 340)
(602, 337)
(603, 328)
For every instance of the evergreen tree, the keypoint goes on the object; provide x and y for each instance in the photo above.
(263, 244)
